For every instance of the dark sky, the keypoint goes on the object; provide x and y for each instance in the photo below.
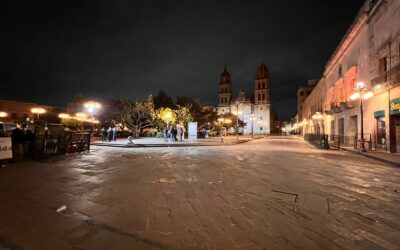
(53, 51)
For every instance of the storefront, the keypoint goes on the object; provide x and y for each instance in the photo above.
(380, 121)
(395, 125)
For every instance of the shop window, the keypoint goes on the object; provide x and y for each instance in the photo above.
(381, 130)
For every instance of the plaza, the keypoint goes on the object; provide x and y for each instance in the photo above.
(269, 193)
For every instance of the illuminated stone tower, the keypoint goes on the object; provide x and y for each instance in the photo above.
(262, 85)
(225, 89)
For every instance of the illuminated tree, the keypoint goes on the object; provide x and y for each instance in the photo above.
(138, 115)
(166, 115)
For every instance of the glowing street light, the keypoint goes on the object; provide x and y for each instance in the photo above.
(92, 107)
(3, 114)
(362, 93)
(64, 116)
(38, 111)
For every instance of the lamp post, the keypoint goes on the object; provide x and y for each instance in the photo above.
(92, 108)
(362, 93)
(252, 119)
(38, 111)
(237, 113)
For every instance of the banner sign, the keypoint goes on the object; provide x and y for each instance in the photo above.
(192, 130)
(379, 113)
(395, 106)
(5, 148)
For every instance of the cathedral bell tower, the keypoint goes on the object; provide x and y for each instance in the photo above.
(262, 85)
(225, 89)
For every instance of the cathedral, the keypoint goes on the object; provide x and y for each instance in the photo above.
(255, 111)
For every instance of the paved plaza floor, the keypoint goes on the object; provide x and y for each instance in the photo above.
(270, 193)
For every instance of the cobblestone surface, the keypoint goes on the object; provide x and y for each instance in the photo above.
(274, 193)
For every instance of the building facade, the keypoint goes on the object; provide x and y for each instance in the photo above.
(20, 112)
(368, 56)
(254, 112)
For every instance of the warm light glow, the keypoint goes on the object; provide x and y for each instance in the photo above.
(64, 116)
(81, 115)
(3, 114)
(368, 95)
(355, 96)
(317, 116)
(229, 121)
(378, 86)
(221, 119)
(38, 110)
(360, 86)
(92, 106)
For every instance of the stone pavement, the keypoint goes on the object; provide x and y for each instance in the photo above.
(159, 142)
(271, 193)
(389, 158)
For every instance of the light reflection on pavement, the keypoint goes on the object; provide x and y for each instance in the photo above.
(274, 193)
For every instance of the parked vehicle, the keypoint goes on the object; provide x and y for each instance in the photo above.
(6, 129)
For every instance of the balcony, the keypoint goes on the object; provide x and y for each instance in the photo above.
(391, 77)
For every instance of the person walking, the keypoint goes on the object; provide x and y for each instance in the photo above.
(171, 134)
(115, 133)
(180, 133)
(103, 134)
(174, 132)
(165, 133)
(109, 133)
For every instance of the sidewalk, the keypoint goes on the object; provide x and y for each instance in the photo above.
(159, 142)
(389, 158)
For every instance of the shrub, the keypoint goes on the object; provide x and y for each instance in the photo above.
(159, 135)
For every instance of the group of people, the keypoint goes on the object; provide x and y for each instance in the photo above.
(108, 134)
(22, 142)
(175, 133)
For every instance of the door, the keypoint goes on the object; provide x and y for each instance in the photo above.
(395, 134)
(341, 129)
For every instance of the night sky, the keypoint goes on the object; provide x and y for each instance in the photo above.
(53, 51)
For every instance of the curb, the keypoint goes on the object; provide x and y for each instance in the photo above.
(392, 163)
(170, 145)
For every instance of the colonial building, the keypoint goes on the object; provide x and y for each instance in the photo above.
(368, 56)
(20, 112)
(255, 112)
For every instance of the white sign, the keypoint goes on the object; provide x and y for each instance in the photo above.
(192, 130)
(5, 148)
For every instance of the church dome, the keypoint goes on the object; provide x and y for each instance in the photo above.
(262, 72)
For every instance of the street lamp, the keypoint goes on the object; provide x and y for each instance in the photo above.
(3, 114)
(362, 93)
(252, 119)
(38, 111)
(92, 107)
(237, 113)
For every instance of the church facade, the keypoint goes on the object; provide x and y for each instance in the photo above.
(254, 111)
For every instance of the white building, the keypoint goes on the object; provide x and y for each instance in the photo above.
(255, 112)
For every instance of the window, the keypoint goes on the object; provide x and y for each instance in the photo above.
(381, 130)
(226, 100)
(259, 97)
(263, 85)
(340, 71)
(263, 96)
(222, 100)
(382, 65)
(259, 85)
